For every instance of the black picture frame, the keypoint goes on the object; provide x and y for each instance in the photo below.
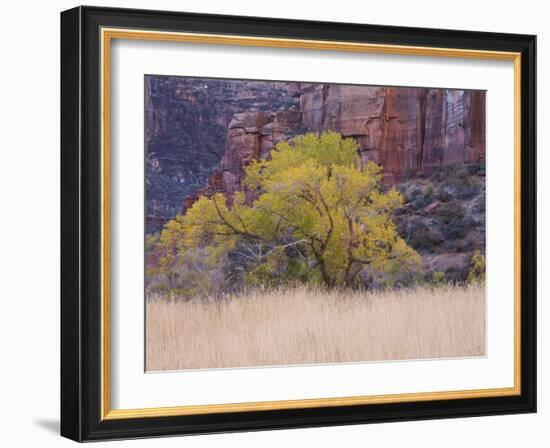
(81, 224)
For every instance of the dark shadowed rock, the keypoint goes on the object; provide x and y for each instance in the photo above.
(186, 129)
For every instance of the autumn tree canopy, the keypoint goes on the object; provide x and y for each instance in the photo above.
(313, 212)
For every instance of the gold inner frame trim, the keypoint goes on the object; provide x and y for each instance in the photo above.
(107, 35)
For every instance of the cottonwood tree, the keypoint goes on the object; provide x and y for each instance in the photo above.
(315, 201)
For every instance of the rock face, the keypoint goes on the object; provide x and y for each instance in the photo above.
(406, 130)
(201, 133)
(186, 128)
(402, 129)
(251, 136)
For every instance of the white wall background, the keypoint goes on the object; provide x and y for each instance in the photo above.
(29, 236)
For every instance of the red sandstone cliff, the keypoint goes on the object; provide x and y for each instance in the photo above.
(402, 129)
(251, 135)
(406, 130)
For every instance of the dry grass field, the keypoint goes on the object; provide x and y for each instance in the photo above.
(305, 326)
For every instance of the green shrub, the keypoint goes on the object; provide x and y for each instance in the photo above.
(420, 236)
(457, 274)
(419, 202)
(438, 277)
(428, 193)
(413, 194)
(443, 195)
(477, 169)
(477, 268)
(450, 212)
(151, 240)
(458, 181)
(455, 230)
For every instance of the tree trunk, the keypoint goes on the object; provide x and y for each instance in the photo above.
(351, 276)
(329, 281)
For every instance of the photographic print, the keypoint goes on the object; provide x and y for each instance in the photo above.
(275, 224)
(294, 223)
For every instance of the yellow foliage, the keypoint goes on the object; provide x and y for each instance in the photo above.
(477, 268)
(313, 195)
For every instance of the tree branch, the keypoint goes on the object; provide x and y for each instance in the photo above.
(226, 222)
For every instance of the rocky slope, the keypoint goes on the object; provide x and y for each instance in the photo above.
(443, 218)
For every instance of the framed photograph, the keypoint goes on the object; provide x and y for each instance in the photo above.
(273, 224)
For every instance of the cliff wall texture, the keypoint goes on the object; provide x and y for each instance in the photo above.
(201, 134)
